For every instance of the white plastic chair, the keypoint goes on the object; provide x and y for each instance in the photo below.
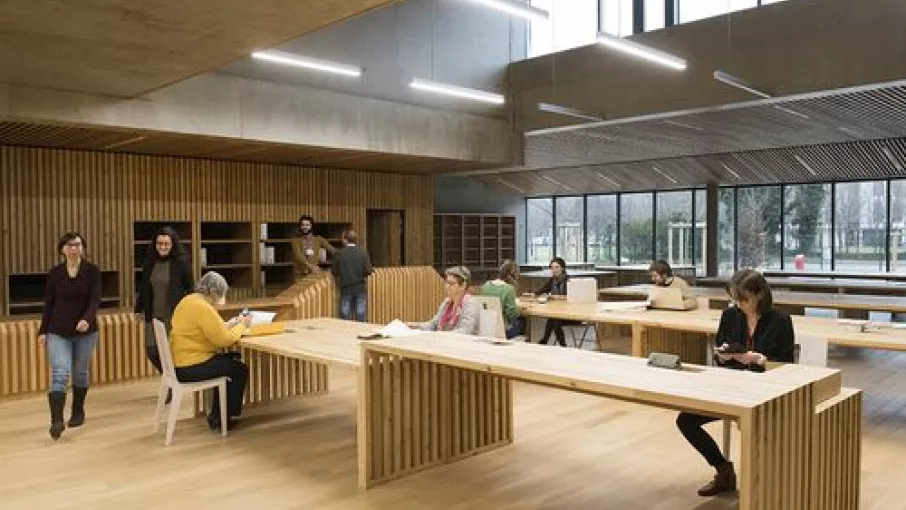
(168, 382)
(491, 320)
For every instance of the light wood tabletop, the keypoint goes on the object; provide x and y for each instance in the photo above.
(835, 301)
(332, 342)
(709, 390)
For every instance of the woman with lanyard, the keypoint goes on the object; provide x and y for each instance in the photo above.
(458, 313)
(750, 334)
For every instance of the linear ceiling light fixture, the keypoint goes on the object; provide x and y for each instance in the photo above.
(893, 160)
(315, 64)
(641, 51)
(664, 175)
(456, 91)
(739, 83)
(805, 165)
(567, 111)
(521, 9)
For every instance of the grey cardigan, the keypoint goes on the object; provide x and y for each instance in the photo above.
(468, 318)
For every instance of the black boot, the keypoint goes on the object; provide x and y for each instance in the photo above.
(78, 407)
(57, 400)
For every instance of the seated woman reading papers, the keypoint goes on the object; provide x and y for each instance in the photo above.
(197, 338)
(458, 313)
(750, 334)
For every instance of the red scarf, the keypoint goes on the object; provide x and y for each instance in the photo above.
(449, 318)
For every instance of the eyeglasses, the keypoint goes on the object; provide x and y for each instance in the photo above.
(74, 244)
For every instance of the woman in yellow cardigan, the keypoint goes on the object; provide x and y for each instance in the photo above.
(198, 336)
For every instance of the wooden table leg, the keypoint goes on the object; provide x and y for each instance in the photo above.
(776, 454)
(413, 415)
(837, 449)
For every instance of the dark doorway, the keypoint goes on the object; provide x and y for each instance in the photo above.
(385, 233)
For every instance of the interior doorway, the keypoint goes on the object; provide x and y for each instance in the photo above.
(386, 235)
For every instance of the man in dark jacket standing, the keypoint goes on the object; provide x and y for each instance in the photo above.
(351, 266)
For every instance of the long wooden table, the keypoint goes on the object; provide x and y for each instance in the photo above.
(433, 398)
(837, 285)
(788, 300)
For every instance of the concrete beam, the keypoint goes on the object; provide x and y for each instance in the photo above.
(229, 106)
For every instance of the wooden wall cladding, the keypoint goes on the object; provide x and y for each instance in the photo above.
(407, 293)
(45, 192)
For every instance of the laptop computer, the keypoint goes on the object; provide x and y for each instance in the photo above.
(667, 298)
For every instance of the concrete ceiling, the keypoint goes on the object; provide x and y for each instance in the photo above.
(126, 48)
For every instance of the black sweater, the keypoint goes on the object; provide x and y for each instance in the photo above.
(554, 286)
(773, 336)
(351, 265)
(70, 300)
(181, 284)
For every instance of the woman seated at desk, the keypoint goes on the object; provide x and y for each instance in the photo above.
(556, 288)
(759, 333)
(197, 337)
(504, 287)
(458, 313)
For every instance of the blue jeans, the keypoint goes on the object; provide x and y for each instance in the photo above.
(356, 302)
(70, 355)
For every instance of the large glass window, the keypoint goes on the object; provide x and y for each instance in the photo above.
(693, 10)
(726, 228)
(758, 227)
(806, 224)
(655, 16)
(860, 217)
(700, 231)
(570, 229)
(572, 23)
(616, 17)
(674, 227)
(540, 230)
(602, 229)
(898, 226)
(635, 228)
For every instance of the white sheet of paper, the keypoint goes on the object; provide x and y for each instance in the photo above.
(623, 306)
(262, 317)
(398, 328)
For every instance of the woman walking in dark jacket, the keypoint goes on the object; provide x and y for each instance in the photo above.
(166, 279)
(69, 328)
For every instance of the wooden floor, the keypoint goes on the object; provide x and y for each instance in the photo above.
(572, 452)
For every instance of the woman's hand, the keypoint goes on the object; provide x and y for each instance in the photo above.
(245, 320)
(82, 326)
(746, 358)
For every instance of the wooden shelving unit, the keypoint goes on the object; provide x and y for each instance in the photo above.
(227, 247)
(142, 243)
(478, 241)
(25, 292)
(275, 257)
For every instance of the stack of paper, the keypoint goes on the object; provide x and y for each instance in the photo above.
(623, 306)
(262, 317)
(397, 329)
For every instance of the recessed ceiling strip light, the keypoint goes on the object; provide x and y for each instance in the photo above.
(455, 91)
(123, 143)
(314, 64)
(733, 81)
(566, 111)
(664, 175)
(641, 51)
(521, 9)
(792, 112)
(683, 125)
(805, 165)
(732, 172)
(893, 160)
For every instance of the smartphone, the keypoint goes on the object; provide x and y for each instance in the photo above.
(245, 312)
(732, 348)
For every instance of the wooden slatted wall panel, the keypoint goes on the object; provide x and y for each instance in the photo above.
(837, 444)
(119, 356)
(46, 192)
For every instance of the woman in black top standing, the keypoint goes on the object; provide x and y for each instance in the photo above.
(69, 328)
(758, 333)
(556, 286)
(166, 279)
